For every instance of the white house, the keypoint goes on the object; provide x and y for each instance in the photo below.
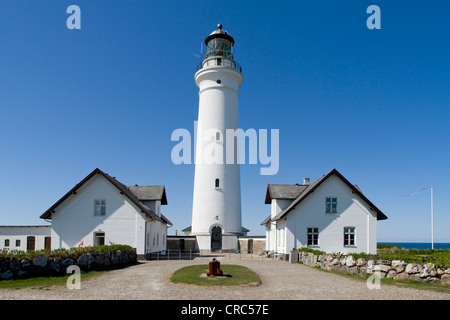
(25, 237)
(329, 214)
(101, 210)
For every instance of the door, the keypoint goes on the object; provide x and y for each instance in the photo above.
(31, 240)
(48, 243)
(216, 238)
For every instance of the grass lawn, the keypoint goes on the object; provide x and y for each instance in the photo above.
(399, 283)
(239, 276)
(45, 283)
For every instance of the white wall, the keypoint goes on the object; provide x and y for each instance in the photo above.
(74, 222)
(218, 111)
(276, 239)
(351, 212)
(156, 236)
(13, 233)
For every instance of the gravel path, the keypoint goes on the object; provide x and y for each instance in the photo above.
(280, 280)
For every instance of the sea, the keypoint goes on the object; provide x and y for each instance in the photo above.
(419, 245)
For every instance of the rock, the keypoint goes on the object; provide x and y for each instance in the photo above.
(4, 264)
(7, 275)
(22, 274)
(447, 271)
(41, 261)
(125, 258)
(66, 263)
(428, 270)
(342, 261)
(445, 279)
(106, 260)
(383, 268)
(383, 262)
(433, 280)
(360, 262)
(82, 261)
(115, 259)
(413, 268)
(398, 265)
(99, 260)
(350, 261)
(26, 263)
(370, 264)
(402, 276)
(353, 269)
(415, 277)
(391, 274)
(91, 258)
(334, 262)
(14, 264)
(55, 266)
(440, 272)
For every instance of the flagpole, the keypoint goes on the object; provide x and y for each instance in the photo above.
(432, 240)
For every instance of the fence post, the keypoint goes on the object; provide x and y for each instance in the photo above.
(168, 254)
(179, 256)
(157, 255)
(190, 254)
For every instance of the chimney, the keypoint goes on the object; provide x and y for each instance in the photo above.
(306, 181)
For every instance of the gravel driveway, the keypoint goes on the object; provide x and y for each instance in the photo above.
(280, 280)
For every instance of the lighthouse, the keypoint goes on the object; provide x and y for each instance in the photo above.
(216, 210)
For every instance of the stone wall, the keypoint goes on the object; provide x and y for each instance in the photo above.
(14, 268)
(395, 269)
(255, 245)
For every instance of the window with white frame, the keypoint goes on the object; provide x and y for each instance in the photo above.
(313, 236)
(99, 238)
(330, 205)
(349, 236)
(99, 207)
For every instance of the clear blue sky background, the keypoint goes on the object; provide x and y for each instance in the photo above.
(374, 104)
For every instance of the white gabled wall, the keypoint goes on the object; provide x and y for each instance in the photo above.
(352, 211)
(74, 222)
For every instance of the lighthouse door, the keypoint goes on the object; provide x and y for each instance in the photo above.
(216, 238)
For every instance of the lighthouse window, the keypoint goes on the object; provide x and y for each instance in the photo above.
(218, 136)
(219, 81)
(217, 183)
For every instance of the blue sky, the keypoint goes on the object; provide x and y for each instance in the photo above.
(374, 104)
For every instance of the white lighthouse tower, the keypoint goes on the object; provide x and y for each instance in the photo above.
(216, 212)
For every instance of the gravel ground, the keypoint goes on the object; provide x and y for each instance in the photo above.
(280, 280)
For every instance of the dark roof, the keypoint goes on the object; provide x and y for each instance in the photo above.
(283, 191)
(120, 186)
(311, 187)
(149, 193)
(219, 33)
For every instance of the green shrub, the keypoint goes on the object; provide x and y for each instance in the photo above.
(73, 253)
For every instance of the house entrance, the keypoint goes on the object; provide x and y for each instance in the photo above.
(216, 238)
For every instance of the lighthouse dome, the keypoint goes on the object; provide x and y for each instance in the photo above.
(219, 33)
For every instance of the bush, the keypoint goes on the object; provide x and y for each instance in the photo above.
(62, 253)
